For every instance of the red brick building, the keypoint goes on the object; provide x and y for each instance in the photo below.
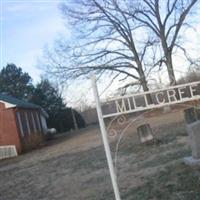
(22, 124)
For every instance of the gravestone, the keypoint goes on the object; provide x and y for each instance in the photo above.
(145, 133)
(192, 117)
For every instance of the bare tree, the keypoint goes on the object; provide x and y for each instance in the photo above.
(106, 41)
(189, 77)
(165, 19)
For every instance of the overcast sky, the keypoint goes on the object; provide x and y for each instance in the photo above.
(27, 26)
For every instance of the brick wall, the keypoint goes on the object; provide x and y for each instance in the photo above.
(8, 128)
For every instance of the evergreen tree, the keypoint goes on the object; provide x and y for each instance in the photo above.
(49, 98)
(15, 82)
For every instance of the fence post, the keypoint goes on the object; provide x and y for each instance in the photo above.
(105, 140)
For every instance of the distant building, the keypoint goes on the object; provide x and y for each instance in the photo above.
(22, 124)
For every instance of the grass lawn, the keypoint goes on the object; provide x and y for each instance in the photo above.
(145, 172)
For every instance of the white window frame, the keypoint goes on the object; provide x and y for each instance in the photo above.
(20, 124)
(33, 121)
(38, 121)
(27, 123)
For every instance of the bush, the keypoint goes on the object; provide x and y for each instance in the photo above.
(32, 141)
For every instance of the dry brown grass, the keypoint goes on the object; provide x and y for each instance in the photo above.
(75, 168)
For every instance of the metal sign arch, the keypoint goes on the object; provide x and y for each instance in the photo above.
(128, 104)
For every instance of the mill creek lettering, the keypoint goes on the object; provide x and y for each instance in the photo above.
(155, 98)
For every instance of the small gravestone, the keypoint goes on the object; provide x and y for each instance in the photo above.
(145, 133)
(192, 118)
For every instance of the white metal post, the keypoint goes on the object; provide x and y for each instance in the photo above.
(105, 140)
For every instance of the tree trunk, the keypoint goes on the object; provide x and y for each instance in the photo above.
(145, 88)
(170, 69)
(168, 57)
(144, 85)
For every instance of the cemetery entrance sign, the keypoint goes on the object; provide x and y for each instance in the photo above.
(140, 102)
(162, 97)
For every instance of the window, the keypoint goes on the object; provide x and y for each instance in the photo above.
(33, 122)
(27, 123)
(20, 124)
(23, 122)
(37, 121)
